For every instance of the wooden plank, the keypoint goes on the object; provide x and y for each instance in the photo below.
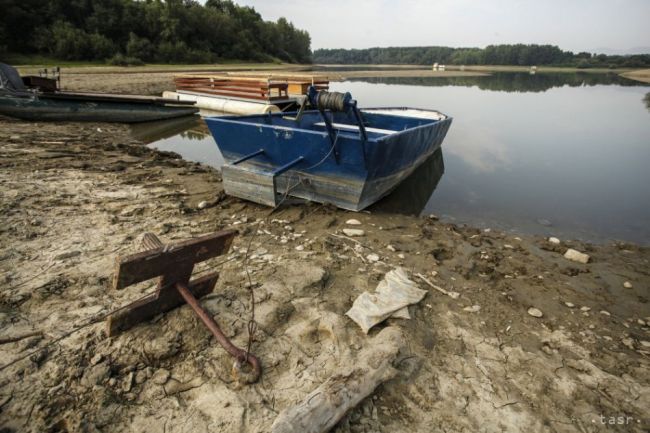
(233, 94)
(153, 263)
(227, 84)
(216, 92)
(249, 184)
(159, 302)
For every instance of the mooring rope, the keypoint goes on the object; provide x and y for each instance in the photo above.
(334, 101)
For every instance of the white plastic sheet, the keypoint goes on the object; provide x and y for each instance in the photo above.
(391, 299)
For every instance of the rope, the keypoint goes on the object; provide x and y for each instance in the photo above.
(252, 323)
(334, 101)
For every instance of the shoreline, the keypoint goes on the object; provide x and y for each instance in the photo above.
(75, 196)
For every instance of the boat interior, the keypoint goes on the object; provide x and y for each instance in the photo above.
(378, 122)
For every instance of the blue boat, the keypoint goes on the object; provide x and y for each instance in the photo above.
(336, 153)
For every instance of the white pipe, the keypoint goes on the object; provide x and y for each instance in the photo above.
(223, 104)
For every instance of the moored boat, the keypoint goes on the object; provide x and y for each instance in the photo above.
(47, 103)
(334, 154)
(78, 107)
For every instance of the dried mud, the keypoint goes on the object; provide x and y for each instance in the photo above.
(73, 197)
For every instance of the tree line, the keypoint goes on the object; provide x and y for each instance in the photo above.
(511, 54)
(135, 31)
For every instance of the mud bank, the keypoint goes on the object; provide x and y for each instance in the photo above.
(75, 196)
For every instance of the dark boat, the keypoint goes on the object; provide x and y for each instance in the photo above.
(46, 103)
(335, 154)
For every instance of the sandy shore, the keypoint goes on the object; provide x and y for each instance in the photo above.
(642, 75)
(76, 196)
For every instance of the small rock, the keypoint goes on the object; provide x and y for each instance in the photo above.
(160, 376)
(585, 309)
(127, 385)
(401, 256)
(390, 248)
(140, 376)
(96, 359)
(569, 304)
(627, 285)
(472, 309)
(628, 342)
(544, 222)
(95, 375)
(300, 248)
(372, 258)
(645, 343)
(68, 255)
(554, 240)
(606, 313)
(641, 322)
(353, 222)
(576, 256)
(353, 232)
(203, 204)
(535, 312)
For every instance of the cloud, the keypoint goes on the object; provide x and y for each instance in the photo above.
(575, 25)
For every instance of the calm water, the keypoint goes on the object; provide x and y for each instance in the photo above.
(561, 154)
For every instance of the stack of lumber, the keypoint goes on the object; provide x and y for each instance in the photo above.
(298, 83)
(265, 87)
(255, 88)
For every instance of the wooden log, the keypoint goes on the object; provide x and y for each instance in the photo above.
(324, 407)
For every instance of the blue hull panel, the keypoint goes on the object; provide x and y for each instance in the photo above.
(351, 173)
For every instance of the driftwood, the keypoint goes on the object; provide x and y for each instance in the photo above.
(324, 407)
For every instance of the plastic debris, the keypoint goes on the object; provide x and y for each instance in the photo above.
(391, 298)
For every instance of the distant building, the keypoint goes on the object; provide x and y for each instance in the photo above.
(435, 67)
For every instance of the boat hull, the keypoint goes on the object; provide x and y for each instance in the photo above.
(353, 177)
(42, 109)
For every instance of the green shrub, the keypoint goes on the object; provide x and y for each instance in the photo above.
(138, 47)
(120, 59)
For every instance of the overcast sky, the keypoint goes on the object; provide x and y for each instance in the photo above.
(576, 25)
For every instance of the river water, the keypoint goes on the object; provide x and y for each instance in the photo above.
(555, 154)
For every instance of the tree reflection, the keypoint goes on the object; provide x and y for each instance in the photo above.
(512, 81)
(646, 99)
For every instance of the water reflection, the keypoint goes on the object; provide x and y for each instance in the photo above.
(412, 195)
(512, 81)
(189, 137)
(150, 132)
(575, 154)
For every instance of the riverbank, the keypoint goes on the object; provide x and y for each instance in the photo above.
(642, 75)
(75, 196)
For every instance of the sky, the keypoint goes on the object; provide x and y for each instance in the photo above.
(610, 26)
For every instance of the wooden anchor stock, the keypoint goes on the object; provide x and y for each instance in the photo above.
(173, 264)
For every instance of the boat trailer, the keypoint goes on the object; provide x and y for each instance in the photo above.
(173, 264)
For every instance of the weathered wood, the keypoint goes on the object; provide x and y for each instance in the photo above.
(153, 263)
(14, 338)
(324, 407)
(248, 184)
(158, 303)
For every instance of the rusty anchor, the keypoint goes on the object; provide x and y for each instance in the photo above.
(173, 264)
